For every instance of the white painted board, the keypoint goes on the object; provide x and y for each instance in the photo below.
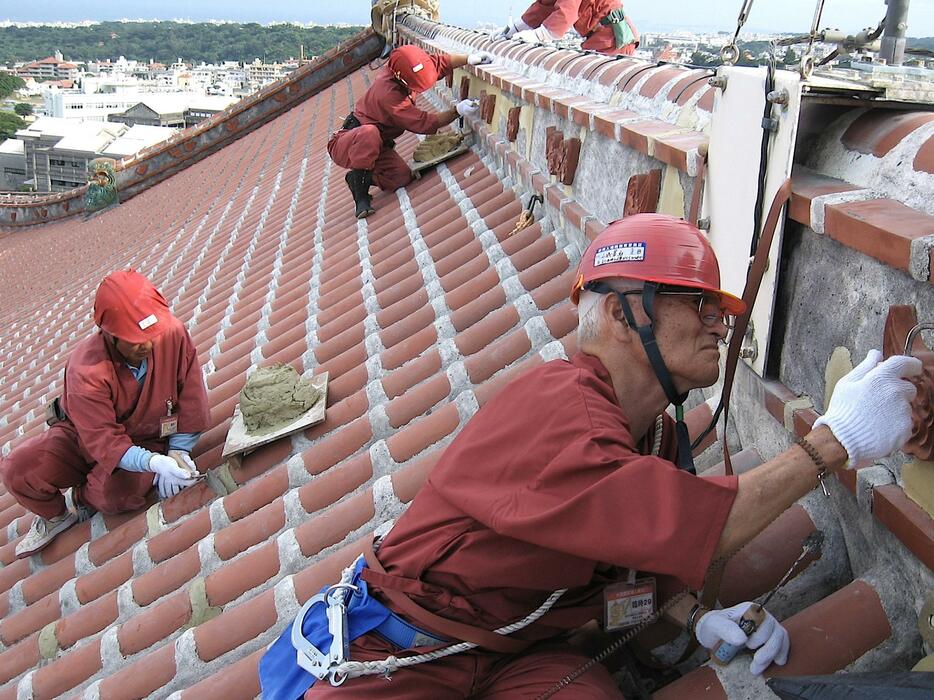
(239, 441)
(732, 177)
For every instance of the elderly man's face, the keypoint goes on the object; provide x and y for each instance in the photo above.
(689, 346)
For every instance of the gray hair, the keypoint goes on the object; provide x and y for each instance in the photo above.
(591, 310)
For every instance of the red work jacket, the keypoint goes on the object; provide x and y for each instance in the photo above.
(112, 411)
(544, 489)
(391, 106)
(557, 16)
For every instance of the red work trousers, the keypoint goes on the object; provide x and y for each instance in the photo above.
(474, 675)
(37, 471)
(362, 149)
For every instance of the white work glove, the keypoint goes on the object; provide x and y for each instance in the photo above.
(870, 412)
(480, 58)
(184, 460)
(466, 108)
(170, 478)
(770, 638)
(509, 30)
(535, 36)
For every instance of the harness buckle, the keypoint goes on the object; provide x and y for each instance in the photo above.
(309, 657)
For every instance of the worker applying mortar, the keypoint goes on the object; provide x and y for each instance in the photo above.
(365, 144)
(132, 408)
(603, 24)
(567, 494)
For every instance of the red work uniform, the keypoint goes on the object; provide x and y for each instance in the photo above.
(386, 111)
(108, 411)
(557, 16)
(544, 489)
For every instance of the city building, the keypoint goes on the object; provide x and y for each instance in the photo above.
(57, 151)
(12, 165)
(49, 68)
(172, 110)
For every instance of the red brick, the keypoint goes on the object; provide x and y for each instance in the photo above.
(881, 228)
(66, 543)
(407, 481)
(142, 678)
(251, 530)
(907, 520)
(878, 131)
(154, 624)
(188, 501)
(398, 381)
(107, 578)
(423, 433)
(67, 672)
(235, 627)
(240, 679)
(19, 658)
(805, 186)
(48, 580)
(167, 577)
(335, 483)
(247, 572)
(498, 355)
(87, 621)
(171, 542)
(29, 620)
(257, 493)
(334, 524)
(117, 541)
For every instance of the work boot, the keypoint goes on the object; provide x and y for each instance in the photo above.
(42, 532)
(359, 182)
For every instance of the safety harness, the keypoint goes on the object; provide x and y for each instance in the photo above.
(317, 646)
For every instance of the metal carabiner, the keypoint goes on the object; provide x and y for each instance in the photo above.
(309, 657)
(913, 333)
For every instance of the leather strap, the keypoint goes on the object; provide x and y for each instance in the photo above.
(753, 282)
(376, 574)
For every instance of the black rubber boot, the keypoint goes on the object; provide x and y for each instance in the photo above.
(359, 182)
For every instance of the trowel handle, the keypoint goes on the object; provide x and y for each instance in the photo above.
(723, 653)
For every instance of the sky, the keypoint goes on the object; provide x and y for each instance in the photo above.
(649, 15)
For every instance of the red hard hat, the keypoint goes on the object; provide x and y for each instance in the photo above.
(413, 67)
(654, 248)
(130, 308)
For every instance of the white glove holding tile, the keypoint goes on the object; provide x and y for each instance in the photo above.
(770, 639)
(468, 107)
(535, 36)
(480, 58)
(870, 412)
(184, 460)
(170, 478)
(510, 30)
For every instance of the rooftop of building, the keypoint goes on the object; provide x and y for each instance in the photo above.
(420, 314)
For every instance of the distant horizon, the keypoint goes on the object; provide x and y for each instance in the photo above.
(789, 16)
(646, 28)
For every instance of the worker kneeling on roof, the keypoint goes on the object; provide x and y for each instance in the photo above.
(132, 407)
(603, 24)
(365, 143)
(567, 485)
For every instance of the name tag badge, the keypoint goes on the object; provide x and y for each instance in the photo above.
(168, 425)
(628, 604)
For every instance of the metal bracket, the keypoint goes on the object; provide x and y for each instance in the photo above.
(913, 333)
(311, 658)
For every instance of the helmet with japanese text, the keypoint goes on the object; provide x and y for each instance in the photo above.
(413, 67)
(130, 308)
(654, 248)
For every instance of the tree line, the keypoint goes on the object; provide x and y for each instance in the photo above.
(165, 42)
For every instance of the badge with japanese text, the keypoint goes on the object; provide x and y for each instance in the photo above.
(168, 424)
(628, 604)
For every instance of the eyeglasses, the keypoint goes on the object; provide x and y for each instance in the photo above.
(709, 309)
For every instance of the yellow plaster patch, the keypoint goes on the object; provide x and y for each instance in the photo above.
(671, 199)
(918, 480)
(926, 664)
(839, 364)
